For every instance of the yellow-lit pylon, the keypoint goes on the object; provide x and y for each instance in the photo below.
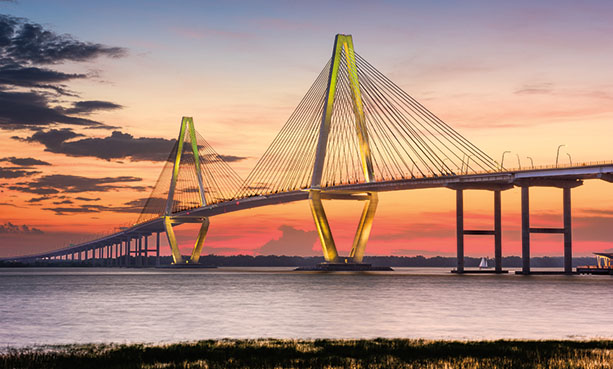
(187, 126)
(316, 194)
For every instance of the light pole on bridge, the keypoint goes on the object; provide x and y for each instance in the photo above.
(558, 153)
(502, 159)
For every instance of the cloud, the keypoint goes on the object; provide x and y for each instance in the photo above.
(86, 107)
(134, 206)
(52, 138)
(116, 146)
(293, 242)
(15, 173)
(63, 202)
(24, 162)
(535, 89)
(17, 75)
(38, 199)
(599, 212)
(80, 198)
(77, 210)
(24, 47)
(27, 109)
(27, 42)
(21, 229)
(56, 183)
(232, 158)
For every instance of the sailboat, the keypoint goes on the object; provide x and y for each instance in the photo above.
(483, 263)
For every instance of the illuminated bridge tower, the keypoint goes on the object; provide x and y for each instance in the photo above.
(343, 57)
(194, 177)
(353, 134)
(187, 129)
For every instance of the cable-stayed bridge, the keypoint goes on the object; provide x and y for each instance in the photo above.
(354, 134)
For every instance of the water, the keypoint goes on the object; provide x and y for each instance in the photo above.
(54, 306)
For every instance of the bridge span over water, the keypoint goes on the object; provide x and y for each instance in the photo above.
(354, 134)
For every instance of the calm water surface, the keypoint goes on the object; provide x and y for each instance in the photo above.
(53, 306)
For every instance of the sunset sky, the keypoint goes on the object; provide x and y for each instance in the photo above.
(91, 93)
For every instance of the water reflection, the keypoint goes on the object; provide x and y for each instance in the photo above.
(39, 306)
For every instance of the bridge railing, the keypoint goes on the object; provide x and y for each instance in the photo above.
(554, 166)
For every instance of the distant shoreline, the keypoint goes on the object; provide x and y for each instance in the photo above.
(298, 261)
(324, 353)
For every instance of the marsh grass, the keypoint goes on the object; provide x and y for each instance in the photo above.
(274, 353)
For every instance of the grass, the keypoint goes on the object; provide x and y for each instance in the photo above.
(273, 353)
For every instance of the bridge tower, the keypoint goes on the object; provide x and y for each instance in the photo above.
(343, 47)
(188, 131)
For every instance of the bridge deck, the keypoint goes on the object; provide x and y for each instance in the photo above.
(477, 181)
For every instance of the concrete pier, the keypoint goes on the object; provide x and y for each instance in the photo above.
(525, 229)
(460, 230)
(566, 229)
(497, 223)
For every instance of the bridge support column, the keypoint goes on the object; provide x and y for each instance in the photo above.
(146, 258)
(157, 249)
(122, 253)
(566, 185)
(568, 238)
(172, 240)
(204, 227)
(362, 234)
(127, 254)
(139, 251)
(498, 231)
(459, 201)
(323, 227)
(525, 229)
(497, 189)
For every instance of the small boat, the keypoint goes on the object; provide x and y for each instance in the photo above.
(483, 264)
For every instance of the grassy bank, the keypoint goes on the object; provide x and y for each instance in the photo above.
(270, 353)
